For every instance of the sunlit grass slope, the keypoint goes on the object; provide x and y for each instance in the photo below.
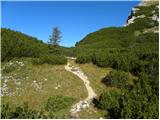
(24, 82)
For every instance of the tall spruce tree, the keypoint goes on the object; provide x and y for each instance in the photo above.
(55, 36)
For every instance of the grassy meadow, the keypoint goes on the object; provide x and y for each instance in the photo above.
(95, 75)
(24, 82)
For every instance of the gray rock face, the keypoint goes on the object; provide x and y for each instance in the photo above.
(134, 10)
(147, 2)
(130, 21)
(155, 17)
(132, 17)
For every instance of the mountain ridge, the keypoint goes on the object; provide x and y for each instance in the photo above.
(142, 19)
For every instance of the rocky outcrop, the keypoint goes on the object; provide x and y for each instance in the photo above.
(131, 20)
(145, 10)
(147, 2)
(131, 17)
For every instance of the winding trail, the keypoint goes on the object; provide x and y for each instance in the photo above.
(91, 94)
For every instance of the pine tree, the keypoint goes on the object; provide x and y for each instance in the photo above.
(55, 37)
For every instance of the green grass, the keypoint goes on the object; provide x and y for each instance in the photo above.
(95, 75)
(48, 77)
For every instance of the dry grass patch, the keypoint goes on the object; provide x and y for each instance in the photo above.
(95, 75)
(39, 82)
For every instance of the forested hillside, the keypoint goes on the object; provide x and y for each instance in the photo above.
(134, 49)
(141, 19)
(16, 44)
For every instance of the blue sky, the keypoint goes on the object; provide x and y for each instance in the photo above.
(75, 19)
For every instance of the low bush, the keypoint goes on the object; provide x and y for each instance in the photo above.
(84, 58)
(116, 60)
(57, 103)
(116, 79)
(102, 59)
(49, 59)
(146, 10)
(17, 44)
(22, 111)
(8, 111)
(109, 101)
(137, 102)
(142, 23)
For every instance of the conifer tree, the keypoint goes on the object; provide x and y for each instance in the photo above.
(55, 36)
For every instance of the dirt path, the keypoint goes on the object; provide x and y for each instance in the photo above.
(91, 94)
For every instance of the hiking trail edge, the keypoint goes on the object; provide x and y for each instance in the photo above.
(91, 94)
